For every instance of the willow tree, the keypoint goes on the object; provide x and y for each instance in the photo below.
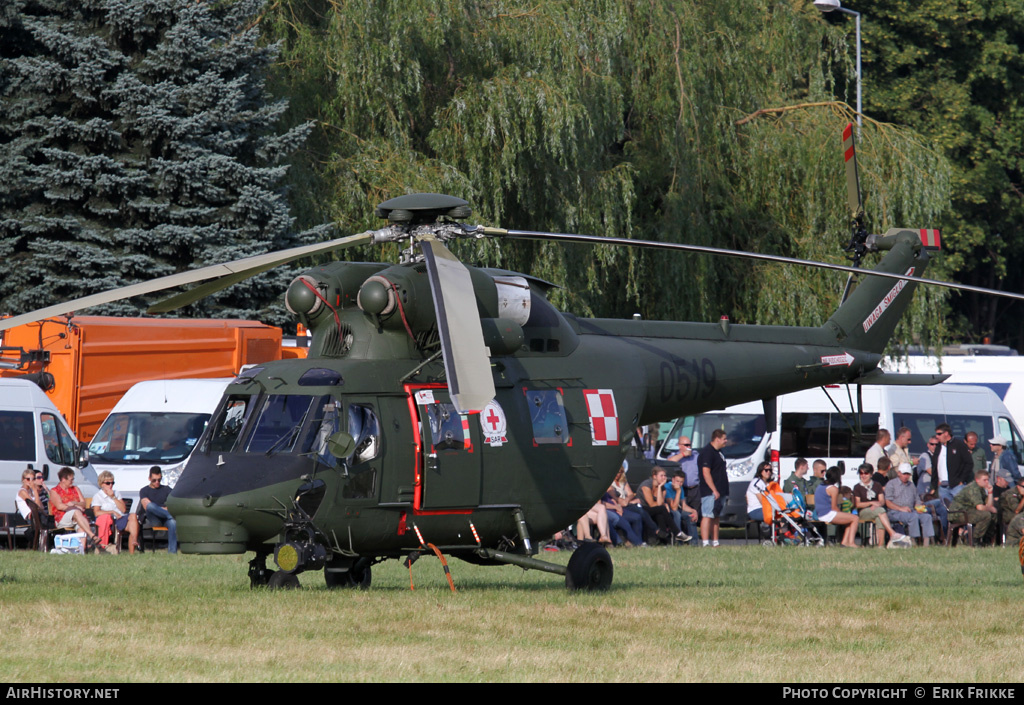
(708, 123)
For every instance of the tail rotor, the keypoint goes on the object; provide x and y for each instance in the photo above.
(859, 234)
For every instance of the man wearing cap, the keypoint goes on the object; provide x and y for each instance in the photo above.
(1004, 465)
(975, 505)
(905, 506)
(1011, 512)
(952, 464)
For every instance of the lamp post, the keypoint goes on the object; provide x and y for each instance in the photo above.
(827, 6)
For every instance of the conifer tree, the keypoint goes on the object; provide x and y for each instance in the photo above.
(137, 139)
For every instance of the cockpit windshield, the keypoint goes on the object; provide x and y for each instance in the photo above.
(295, 423)
(279, 423)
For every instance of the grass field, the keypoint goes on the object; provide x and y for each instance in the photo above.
(731, 614)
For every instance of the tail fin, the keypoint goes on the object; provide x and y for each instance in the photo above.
(867, 319)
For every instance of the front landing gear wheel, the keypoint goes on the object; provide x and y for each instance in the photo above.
(283, 581)
(590, 568)
(358, 576)
(259, 574)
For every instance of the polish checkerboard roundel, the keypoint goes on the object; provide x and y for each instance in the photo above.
(604, 420)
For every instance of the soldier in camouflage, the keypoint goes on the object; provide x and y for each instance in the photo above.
(975, 505)
(1011, 505)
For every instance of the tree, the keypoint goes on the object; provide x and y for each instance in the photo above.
(954, 72)
(137, 139)
(610, 118)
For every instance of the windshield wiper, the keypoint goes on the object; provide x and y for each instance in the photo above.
(286, 437)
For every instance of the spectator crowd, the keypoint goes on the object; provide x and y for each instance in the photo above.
(949, 493)
(100, 518)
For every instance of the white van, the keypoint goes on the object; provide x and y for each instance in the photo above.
(33, 433)
(821, 423)
(154, 423)
(1003, 374)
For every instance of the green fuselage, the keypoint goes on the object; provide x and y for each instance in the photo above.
(567, 403)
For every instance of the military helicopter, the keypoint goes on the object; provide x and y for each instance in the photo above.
(454, 409)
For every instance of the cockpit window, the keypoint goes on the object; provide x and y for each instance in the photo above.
(229, 423)
(279, 423)
(247, 374)
(362, 425)
(321, 377)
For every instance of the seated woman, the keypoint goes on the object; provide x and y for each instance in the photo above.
(759, 484)
(652, 498)
(826, 502)
(869, 501)
(630, 503)
(599, 518)
(69, 505)
(620, 517)
(30, 504)
(27, 493)
(110, 510)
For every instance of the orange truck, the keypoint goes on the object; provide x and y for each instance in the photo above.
(86, 363)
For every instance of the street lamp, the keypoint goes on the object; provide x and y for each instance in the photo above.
(827, 6)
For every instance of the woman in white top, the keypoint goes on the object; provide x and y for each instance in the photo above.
(759, 484)
(110, 509)
(27, 491)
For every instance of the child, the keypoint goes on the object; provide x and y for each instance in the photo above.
(846, 503)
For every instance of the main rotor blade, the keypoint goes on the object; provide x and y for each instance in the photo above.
(240, 270)
(466, 360)
(229, 273)
(852, 175)
(653, 244)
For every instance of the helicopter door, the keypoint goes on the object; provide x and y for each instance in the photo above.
(449, 463)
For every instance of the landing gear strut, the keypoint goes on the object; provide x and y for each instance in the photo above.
(590, 566)
(259, 574)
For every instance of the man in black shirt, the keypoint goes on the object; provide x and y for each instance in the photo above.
(952, 464)
(153, 501)
(714, 487)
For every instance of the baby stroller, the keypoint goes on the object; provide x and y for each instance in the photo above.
(786, 516)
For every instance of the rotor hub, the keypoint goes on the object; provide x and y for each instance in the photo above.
(420, 208)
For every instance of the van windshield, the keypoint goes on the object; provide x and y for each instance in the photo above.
(743, 433)
(147, 437)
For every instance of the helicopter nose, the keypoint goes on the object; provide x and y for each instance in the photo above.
(201, 530)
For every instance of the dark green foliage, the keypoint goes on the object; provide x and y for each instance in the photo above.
(610, 118)
(954, 72)
(137, 139)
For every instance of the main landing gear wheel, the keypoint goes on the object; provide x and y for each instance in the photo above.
(283, 581)
(590, 568)
(358, 576)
